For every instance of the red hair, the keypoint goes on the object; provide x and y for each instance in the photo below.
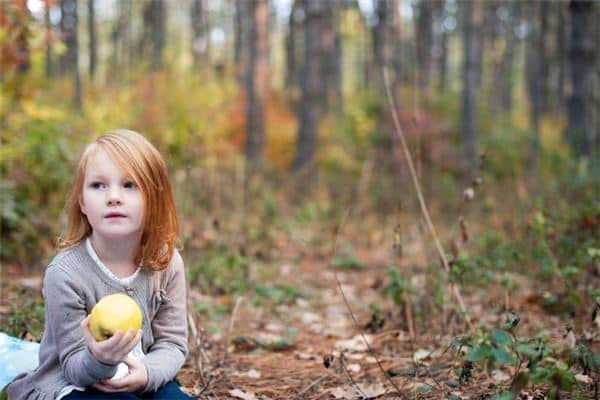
(139, 159)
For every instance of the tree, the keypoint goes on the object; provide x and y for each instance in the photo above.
(311, 83)
(472, 54)
(424, 36)
(580, 134)
(93, 50)
(154, 32)
(200, 29)
(257, 79)
(536, 72)
(69, 62)
(121, 37)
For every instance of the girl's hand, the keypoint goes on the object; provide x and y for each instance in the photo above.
(114, 349)
(136, 380)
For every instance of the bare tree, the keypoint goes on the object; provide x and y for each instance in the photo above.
(257, 79)
(48, 67)
(241, 27)
(69, 61)
(424, 35)
(154, 32)
(580, 133)
(310, 107)
(472, 54)
(536, 73)
(93, 48)
(200, 29)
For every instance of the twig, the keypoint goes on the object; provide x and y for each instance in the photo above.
(422, 204)
(238, 300)
(362, 334)
(354, 384)
(309, 387)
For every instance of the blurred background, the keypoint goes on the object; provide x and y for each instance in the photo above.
(295, 174)
(275, 123)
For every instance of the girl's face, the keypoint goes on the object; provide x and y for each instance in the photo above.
(112, 202)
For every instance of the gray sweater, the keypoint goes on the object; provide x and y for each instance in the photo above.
(73, 284)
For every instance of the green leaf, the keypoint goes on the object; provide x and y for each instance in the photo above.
(425, 388)
(500, 337)
(347, 263)
(502, 356)
(479, 353)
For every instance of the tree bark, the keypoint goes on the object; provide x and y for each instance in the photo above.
(310, 108)
(535, 78)
(424, 39)
(472, 28)
(93, 48)
(199, 24)
(154, 32)
(257, 80)
(48, 67)
(580, 133)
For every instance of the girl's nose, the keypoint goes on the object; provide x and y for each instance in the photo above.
(114, 197)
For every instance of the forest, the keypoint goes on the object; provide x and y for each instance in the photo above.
(378, 199)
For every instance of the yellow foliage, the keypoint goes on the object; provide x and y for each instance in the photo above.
(551, 133)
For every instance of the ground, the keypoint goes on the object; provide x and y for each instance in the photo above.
(313, 344)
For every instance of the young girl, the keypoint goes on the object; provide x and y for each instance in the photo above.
(121, 239)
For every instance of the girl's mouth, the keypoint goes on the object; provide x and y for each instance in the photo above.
(114, 215)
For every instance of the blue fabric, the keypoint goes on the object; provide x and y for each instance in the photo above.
(16, 356)
(170, 391)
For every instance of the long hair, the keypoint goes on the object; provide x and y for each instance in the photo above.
(137, 158)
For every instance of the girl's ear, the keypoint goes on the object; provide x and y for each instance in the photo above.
(81, 205)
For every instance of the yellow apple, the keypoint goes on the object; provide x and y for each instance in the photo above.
(112, 313)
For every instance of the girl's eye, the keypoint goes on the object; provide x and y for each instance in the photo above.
(97, 185)
(129, 185)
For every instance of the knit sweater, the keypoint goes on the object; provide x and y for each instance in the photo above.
(73, 284)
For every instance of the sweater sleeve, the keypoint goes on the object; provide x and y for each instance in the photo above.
(169, 328)
(65, 309)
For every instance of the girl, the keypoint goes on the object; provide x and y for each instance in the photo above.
(121, 239)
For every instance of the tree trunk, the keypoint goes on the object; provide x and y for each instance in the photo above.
(69, 62)
(154, 32)
(199, 23)
(562, 55)
(310, 108)
(441, 44)
(580, 133)
(291, 47)
(241, 32)
(121, 39)
(48, 68)
(535, 77)
(93, 49)
(473, 20)
(257, 80)
(331, 53)
(424, 42)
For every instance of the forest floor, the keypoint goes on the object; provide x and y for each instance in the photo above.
(313, 345)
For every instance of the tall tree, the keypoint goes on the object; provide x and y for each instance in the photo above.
(70, 60)
(580, 133)
(48, 40)
(440, 42)
(257, 79)
(311, 83)
(472, 54)
(331, 53)
(199, 23)
(424, 39)
(241, 27)
(536, 73)
(93, 48)
(121, 38)
(293, 47)
(154, 32)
